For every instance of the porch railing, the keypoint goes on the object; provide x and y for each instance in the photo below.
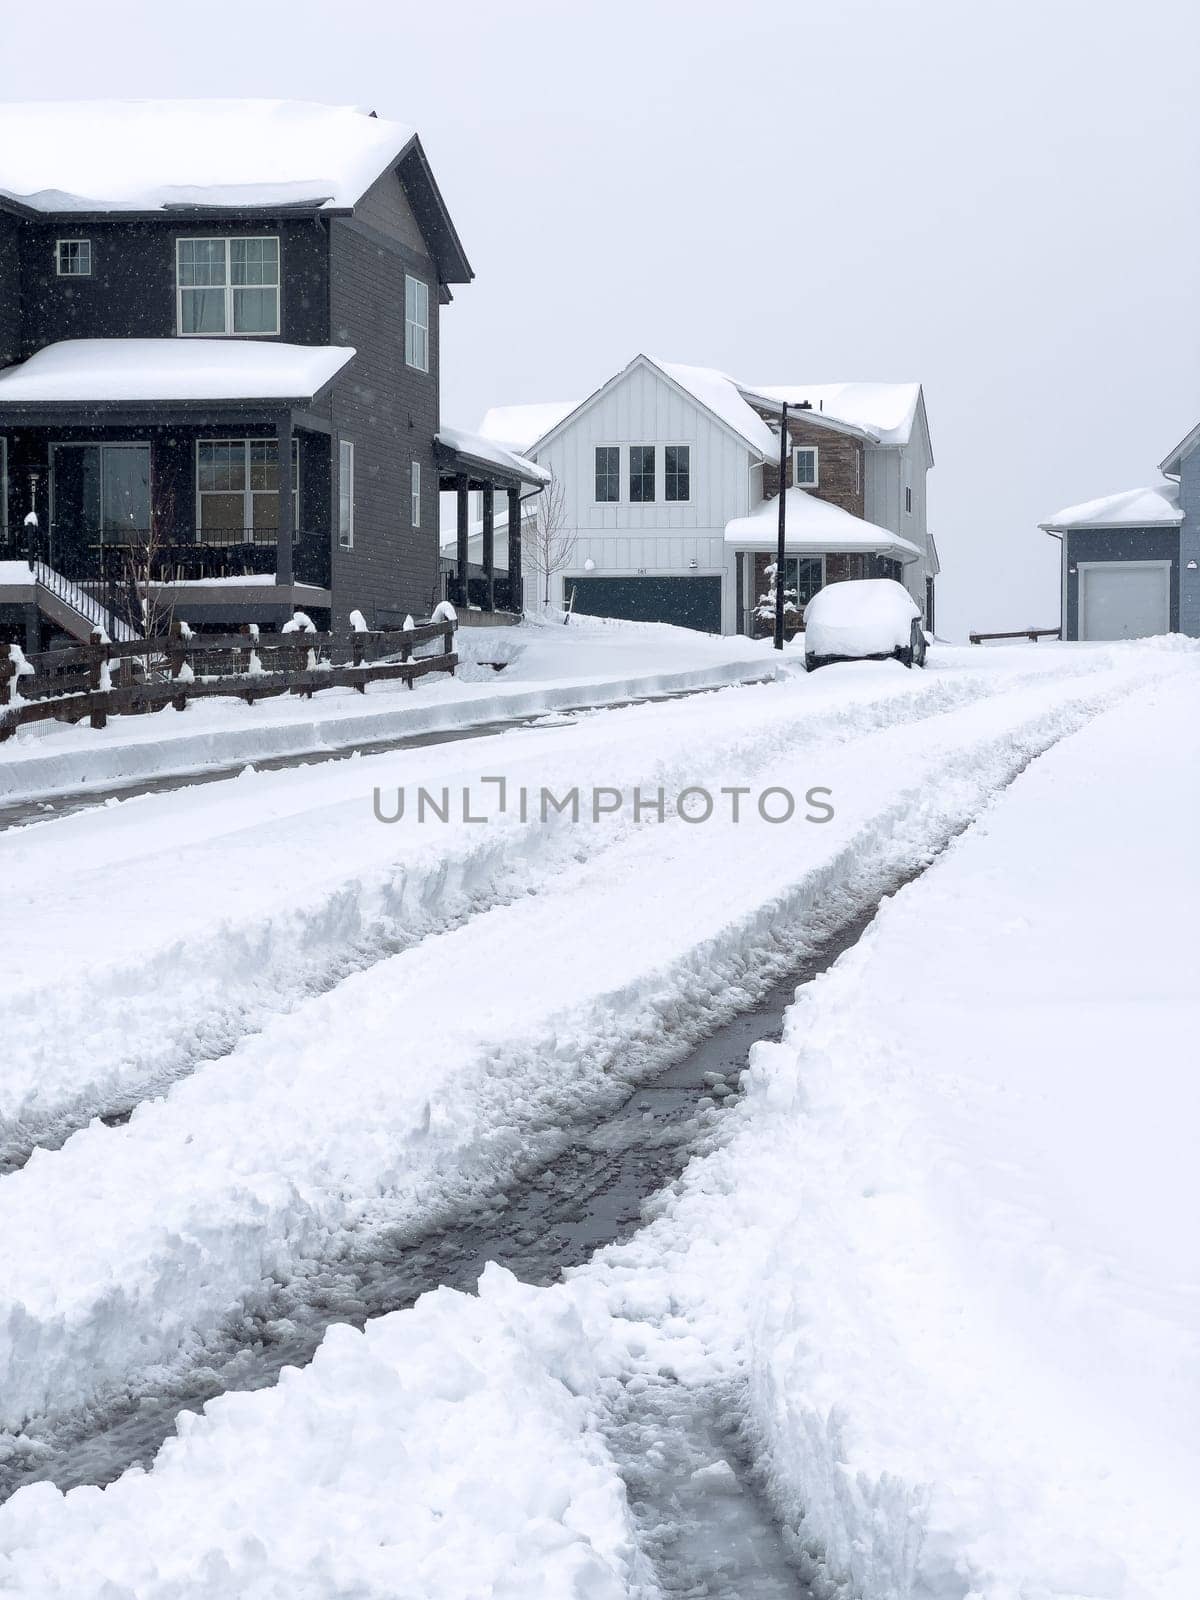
(213, 553)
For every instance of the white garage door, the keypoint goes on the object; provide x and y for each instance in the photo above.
(1124, 599)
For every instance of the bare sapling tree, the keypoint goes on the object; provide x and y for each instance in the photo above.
(549, 544)
(145, 579)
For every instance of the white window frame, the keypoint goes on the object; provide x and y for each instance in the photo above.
(416, 331)
(673, 446)
(345, 494)
(908, 500)
(84, 245)
(247, 492)
(806, 449)
(414, 493)
(600, 504)
(230, 288)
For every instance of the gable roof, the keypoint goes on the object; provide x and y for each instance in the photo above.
(96, 371)
(1184, 448)
(1156, 506)
(714, 391)
(887, 411)
(722, 396)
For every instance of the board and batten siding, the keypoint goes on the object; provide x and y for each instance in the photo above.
(633, 539)
(888, 469)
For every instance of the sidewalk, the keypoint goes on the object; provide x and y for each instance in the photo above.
(548, 668)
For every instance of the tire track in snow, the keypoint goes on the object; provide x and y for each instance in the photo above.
(124, 1033)
(498, 1113)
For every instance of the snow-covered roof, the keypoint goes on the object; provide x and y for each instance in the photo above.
(144, 155)
(520, 427)
(885, 410)
(97, 370)
(814, 525)
(487, 450)
(1156, 506)
(722, 396)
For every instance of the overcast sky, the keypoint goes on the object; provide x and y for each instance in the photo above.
(998, 200)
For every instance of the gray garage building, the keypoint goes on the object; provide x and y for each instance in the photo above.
(1131, 561)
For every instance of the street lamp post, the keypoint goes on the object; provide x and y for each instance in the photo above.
(779, 555)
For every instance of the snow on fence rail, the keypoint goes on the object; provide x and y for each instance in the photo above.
(67, 685)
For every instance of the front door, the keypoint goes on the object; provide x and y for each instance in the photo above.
(99, 494)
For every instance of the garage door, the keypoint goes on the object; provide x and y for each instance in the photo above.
(687, 602)
(1124, 599)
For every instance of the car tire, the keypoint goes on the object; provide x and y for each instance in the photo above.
(810, 663)
(904, 654)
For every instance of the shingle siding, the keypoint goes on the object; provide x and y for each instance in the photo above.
(390, 412)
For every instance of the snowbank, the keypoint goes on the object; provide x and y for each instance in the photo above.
(953, 1237)
(443, 1452)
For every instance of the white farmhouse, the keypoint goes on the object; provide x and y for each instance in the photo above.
(669, 477)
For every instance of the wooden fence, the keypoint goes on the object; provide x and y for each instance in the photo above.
(100, 679)
(1033, 634)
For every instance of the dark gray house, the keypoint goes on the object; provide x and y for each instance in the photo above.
(1131, 561)
(219, 345)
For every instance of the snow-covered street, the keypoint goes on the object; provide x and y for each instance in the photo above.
(955, 1347)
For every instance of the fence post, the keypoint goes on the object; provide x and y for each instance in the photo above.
(98, 677)
(357, 651)
(176, 656)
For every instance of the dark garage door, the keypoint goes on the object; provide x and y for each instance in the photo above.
(687, 602)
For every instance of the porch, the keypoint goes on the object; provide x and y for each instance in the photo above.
(223, 506)
(823, 544)
(470, 464)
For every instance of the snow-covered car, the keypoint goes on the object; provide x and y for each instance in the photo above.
(864, 619)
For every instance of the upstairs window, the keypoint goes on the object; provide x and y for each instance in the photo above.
(416, 324)
(805, 466)
(227, 286)
(908, 498)
(608, 474)
(73, 258)
(345, 494)
(641, 472)
(677, 472)
(3, 490)
(415, 494)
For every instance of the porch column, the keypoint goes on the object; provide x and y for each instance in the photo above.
(489, 544)
(283, 553)
(464, 535)
(516, 585)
